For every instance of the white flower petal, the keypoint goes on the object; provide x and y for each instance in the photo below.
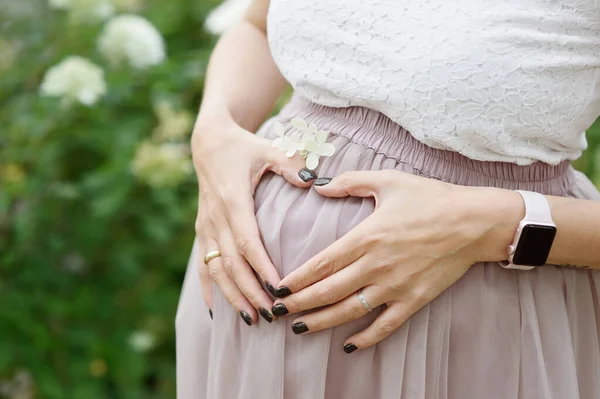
(312, 161)
(326, 150)
(306, 137)
(321, 136)
(299, 124)
(313, 128)
(295, 137)
(311, 146)
(290, 152)
(279, 129)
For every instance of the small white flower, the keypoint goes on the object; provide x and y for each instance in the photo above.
(142, 341)
(225, 16)
(75, 79)
(317, 146)
(162, 165)
(307, 139)
(290, 144)
(132, 39)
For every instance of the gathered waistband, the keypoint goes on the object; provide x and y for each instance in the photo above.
(376, 132)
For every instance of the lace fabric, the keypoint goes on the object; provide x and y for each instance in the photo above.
(514, 81)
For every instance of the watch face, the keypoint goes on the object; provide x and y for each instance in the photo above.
(534, 245)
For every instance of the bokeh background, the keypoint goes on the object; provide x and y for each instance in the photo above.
(97, 193)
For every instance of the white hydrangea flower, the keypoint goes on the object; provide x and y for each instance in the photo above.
(225, 16)
(162, 165)
(307, 139)
(141, 341)
(172, 124)
(132, 39)
(75, 79)
(85, 10)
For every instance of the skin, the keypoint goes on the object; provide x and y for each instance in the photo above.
(403, 255)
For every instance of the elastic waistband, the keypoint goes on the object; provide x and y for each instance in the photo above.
(375, 131)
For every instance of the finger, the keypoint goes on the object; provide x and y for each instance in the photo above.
(335, 257)
(366, 183)
(241, 273)
(328, 291)
(388, 321)
(350, 308)
(292, 169)
(246, 237)
(228, 288)
(205, 280)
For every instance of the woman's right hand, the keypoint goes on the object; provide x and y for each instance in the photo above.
(229, 163)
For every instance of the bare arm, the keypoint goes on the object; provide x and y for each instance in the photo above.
(242, 83)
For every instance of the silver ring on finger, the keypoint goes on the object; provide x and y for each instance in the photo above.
(363, 301)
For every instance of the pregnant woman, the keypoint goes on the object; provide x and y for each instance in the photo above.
(424, 235)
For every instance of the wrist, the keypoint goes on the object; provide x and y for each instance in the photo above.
(500, 211)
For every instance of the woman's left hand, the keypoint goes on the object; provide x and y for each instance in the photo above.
(422, 237)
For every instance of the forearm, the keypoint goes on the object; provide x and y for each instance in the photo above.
(577, 242)
(242, 81)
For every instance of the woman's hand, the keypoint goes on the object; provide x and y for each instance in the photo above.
(229, 163)
(422, 237)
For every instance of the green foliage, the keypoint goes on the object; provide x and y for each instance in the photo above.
(88, 253)
(92, 258)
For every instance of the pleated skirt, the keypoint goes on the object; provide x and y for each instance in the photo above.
(494, 334)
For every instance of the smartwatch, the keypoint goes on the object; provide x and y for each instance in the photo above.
(535, 234)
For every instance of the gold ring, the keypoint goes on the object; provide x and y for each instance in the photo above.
(211, 255)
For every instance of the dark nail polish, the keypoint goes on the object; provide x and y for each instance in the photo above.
(299, 328)
(307, 175)
(271, 288)
(282, 292)
(350, 348)
(246, 317)
(279, 310)
(265, 314)
(210, 313)
(321, 181)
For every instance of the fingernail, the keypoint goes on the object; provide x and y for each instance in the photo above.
(246, 317)
(299, 328)
(282, 292)
(271, 288)
(210, 313)
(279, 310)
(265, 314)
(307, 175)
(321, 181)
(350, 348)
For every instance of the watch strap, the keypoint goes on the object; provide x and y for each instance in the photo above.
(537, 208)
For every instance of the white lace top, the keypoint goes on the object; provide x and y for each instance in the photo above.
(496, 80)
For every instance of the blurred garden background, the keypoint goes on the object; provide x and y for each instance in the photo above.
(97, 193)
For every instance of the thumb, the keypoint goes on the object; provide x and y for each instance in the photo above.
(292, 169)
(357, 184)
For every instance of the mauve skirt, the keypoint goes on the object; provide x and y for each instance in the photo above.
(495, 333)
